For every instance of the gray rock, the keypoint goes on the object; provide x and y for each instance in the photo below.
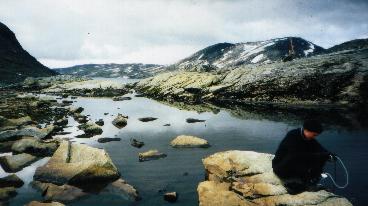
(11, 181)
(121, 98)
(9, 135)
(15, 163)
(77, 164)
(147, 119)
(63, 193)
(136, 143)
(108, 139)
(90, 128)
(192, 120)
(35, 147)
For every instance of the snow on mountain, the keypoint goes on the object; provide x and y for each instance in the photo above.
(136, 71)
(224, 55)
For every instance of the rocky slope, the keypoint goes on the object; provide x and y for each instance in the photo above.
(15, 63)
(224, 55)
(353, 44)
(246, 178)
(134, 71)
(329, 79)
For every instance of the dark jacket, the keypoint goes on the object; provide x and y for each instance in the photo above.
(298, 157)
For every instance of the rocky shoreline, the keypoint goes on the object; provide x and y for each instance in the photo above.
(336, 79)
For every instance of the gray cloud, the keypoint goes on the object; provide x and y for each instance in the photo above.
(68, 32)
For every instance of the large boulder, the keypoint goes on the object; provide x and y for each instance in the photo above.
(35, 147)
(15, 163)
(77, 164)
(189, 141)
(26, 131)
(247, 178)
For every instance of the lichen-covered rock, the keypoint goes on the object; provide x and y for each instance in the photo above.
(247, 178)
(37, 203)
(189, 141)
(90, 128)
(77, 164)
(332, 79)
(15, 163)
(150, 155)
(120, 121)
(35, 147)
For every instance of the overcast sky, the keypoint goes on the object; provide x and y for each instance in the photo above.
(68, 32)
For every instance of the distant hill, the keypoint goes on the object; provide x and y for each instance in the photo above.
(224, 55)
(16, 63)
(353, 44)
(134, 71)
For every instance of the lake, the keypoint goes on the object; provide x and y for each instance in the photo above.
(224, 129)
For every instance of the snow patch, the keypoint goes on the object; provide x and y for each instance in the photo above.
(258, 58)
(310, 50)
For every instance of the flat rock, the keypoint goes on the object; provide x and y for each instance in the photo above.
(247, 178)
(11, 181)
(120, 121)
(147, 119)
(15, 163)
(192, 120)
(121, 98)
(37, 203)
(151, 155)
(77, 164)
(35, 147)
(9, 135)
(108, 139)
(16, 122)
(186, 141)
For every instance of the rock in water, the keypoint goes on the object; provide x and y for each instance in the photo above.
(62, 193)
(121, 188)
(136, 143)
(100, 122)
(189, 141)
(120, 121)
(246, 178)
(108, 139)
(37, 203)
(147, 119)
(90, 128)
(121, 98)
(171, 196)
(35, 147)
(11, 181)
(151, 155)
(192, 120)
(27, 131)
(15, 163)
(77, 164)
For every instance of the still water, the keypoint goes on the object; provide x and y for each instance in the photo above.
(224, 129)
